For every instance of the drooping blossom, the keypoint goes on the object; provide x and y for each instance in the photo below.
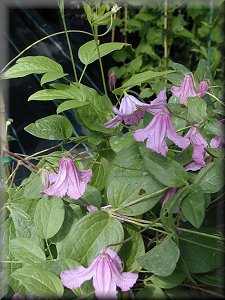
(160, 128)
(203, 87)
(131, 110)
(172, 191)
(199, 143)
(106, 271)
(218, 141)
(112, 81)
(69, 181)
(185, 90)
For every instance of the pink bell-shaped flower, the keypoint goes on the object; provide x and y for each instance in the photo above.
(185, 90)
(203, 87)
(160, 128)
(106, 271)
(69, 181)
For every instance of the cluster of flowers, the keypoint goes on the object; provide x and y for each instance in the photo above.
(106, 268)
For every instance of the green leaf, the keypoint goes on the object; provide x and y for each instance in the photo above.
(53, 127)
(193, 205)
(92, 233)
(216, 152)
(49, 216)
(131, 249)
(213, 279)
(70, 104)
(32, 187)
(150, 292)
(92, 196)
(61, 92)
(185, 156)
(210, 178)
(128, 181)
(117, 143)
(164, 169)
(35, 65)
(87, 53)
(203, 71)
(162, 259)
(26, 251)
(138, 79)
(171, 281)
(179, 68)
(40, 282)
(197, 253)
(196, 110)
(99, 173)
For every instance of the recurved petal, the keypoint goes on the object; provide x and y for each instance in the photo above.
(115, 258)
(182, 142)
(124, 280)
(85, 175)
(73, 279)
(113, 123)
(105, 287)
(52, 177)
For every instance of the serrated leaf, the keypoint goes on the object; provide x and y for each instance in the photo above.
(49, 216)
(40, 282)
(92, 233)
(162, 259)
(33, 65)
(26, 251)
(53, 127)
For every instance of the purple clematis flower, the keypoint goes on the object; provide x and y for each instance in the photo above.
(156, 132)
(106, 271)
(68, 181)
(185, 90)
(199, 144)
(203, 87)
(132, 110)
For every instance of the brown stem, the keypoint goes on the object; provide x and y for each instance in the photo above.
(25, 163)
(203, 290)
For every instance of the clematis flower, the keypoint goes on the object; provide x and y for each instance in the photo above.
(68, 181)
(156, 132)
(112, 81)
(199, 144)
(106, 271)
(132, 110)
(203, 87)
(185, 90)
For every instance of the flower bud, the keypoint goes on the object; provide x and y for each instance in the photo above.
(112, 80)
(202, 88)
(115, 8)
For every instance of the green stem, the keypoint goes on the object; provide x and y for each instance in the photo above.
(144, 198)
(82, 74)
(69, 46)
(95, 33)
(215, 98)
(201, 245)
(201, 233)
(41, 40)
(49, 249)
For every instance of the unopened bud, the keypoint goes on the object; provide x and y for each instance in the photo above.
(202, 88)
(112, 81)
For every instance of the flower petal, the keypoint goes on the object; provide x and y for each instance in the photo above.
(115, 258)
(113, 123)
(105, 287)
(124, 280)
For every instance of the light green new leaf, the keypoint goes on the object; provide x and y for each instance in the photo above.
(91, 234)
(88, 52)
(138, 79)
(49, 216)
(162, 259)
(211, 177)
(35, 65)
(193, 205)
(53, 127)
(26, 251)
(40, 282)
